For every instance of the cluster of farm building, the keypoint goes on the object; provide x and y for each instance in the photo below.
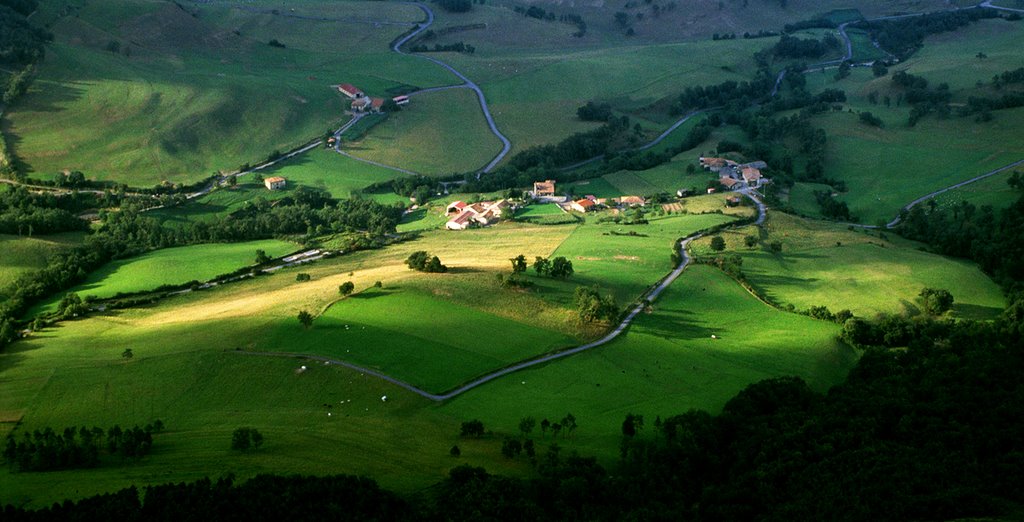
(363, 103)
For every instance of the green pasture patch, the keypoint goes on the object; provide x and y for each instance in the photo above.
(437, 133)
(423, 218)
(863, 49)
(993, 191)
(429, 342)
(665, 364)
(538, 210)
(952, 57)
(599, 187)
(218, 204)
(171, 266)
(803, 200)
(823, 264)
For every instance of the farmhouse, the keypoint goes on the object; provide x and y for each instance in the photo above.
(274, 183)
(716, 164)
(376, 104)
(401, 100)
(482, 214)
(361, 104)
(582, 205)
(728, 182)
(543, 188)
(733, 175)
(751, 175)
(351, 91)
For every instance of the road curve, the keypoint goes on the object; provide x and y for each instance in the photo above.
(650, 144)
(506, 145)
(988, 4)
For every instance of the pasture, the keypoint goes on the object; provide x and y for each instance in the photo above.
(823, 264)
(438, 133)
(170, 266)
(181, 99)
(665, 364)
(605, 254)
(327, 170)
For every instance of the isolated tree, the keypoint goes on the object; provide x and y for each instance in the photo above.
(346, 288)
(775, 247)
(936, 301)
(127, 354)
(879, 69)
(718, 243)
(544, 425)
(541, 265)
(555, 428)
(561, 268)
(232, 181)
(305, 318)
(526, 425)
(262, 257)
(518, 264)
(569, 422)
(632, 425)
(302, 277)
(750, 241)
(592, 306)
(417, 260)
(435, 266)
(455, 451)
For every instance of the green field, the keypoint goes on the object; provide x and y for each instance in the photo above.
(626, 265)
(197, 94)
(541, 210)
(438, 133)
(825, 264)
(172, 266)
(19, 255)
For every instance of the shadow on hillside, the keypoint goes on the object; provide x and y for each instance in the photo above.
(371, 294)
(976, 312)
(680, 325)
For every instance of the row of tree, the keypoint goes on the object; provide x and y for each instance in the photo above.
(74, 447)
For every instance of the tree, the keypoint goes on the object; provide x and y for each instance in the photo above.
(632, 425)
(541, 265)
(879, 69)
(750, 241)
(473, 428)
(262, 257)
(417, 260)
(569, 422)
(305, 318)
(555, 428)
(936, 301)
(775, 247)
(591, 306)
(346, 288)
(511, 448)
(435, 266)
(455, 451)
(526, 425)
(302, 277)
(544, 425)
(127, 354)
(718, 243)
(245, 439)
(561, 268)
(518, 264)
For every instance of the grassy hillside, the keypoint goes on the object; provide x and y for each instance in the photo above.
(438, 133)
(823, 264)
(19, 255)
(186, 95)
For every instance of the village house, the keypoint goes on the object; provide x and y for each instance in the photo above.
(582, 205)
(728, 182)
(543, 189)
(483, 213)
(376, 104)
(274, 183)
(751, 175)
(401, 100)
(734, 176)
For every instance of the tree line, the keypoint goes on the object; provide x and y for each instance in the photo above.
(76, 447)
(903, 37)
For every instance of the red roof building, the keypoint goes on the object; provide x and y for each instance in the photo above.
(350, 90)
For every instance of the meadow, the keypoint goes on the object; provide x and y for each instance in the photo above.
(171, 266)
(328, 419)
(327, 170)
(823, 264)
(20, 255)
(189, 95)
(438, 133)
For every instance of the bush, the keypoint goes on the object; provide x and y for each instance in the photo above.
(246, 439)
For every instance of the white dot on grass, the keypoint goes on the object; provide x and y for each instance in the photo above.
(524, 382)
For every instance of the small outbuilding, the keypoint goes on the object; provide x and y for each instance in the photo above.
(275, 183)
(582, 205)
(351, 91)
